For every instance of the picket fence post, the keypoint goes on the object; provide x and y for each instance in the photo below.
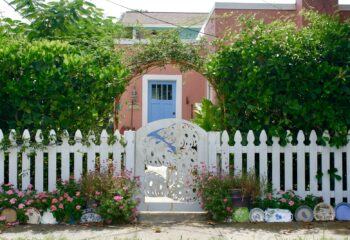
(26, 160)
(2, 159)
(39, 163)
(13, 155)
(130, 139)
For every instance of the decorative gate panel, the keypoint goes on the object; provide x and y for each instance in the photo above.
(167, 151)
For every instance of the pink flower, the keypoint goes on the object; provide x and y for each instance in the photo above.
(2, 218)
(225, 200)
(292, 195)
(60, 206)
(9, 192)
(97, 193)
(13, 200)
(21, 206)
(53, 208)
(69, 199)
(78, 207)
(54, 201)
(77, 194)
(281, 192)
(228, 209)
(30, 186)
(118, 198)
(94, 205)
(65, 195)
(28, 193)
(291, 203)
(283, 200)
(121, 207)
(29, 202)
(20, 194)
(60, 198)
(44, 200)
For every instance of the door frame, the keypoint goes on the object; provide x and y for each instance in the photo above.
(178, 101)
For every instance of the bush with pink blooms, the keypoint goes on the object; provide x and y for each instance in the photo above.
(19, 200)
(286, 200)
(113, 196)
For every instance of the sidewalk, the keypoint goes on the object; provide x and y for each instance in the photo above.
(185, 230)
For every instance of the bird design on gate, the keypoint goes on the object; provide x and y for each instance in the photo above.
(176, 149)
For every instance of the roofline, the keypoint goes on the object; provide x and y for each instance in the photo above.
(161, 25)
(344, 7)
(255, 6)
(247, 6)
(166, 12)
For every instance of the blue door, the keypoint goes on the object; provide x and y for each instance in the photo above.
(161, 100)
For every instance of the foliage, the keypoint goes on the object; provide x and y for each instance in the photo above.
(55, 85)
(114, 195)
(164, 48)
(215, 192)
(286, 200)
(278, 77)
(208, 116)
(77, 21)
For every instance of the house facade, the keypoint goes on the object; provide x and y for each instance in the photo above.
(169, 93)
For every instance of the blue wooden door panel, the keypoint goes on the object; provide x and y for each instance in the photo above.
(161, 100)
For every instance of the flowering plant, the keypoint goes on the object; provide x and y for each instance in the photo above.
(114, 195)
(20, 200)
(214, 192)
(67, 202)
(286, 200)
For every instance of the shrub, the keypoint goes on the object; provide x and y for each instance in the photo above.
(279, 77)
(215, 192)
(286, 200)
(114, 195)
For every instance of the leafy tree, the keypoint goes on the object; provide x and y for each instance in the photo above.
(58, 68)
(278, 77)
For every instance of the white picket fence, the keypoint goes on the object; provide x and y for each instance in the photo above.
(267, 160)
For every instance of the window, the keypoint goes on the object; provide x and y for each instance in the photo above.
(162, 92)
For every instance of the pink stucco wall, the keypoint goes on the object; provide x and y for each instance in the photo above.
(194, 89)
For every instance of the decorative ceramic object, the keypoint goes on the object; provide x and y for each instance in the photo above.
(278, 215)
(256, 215)
(304, 214)
(241, 215)
(48, 218)
(88, 210)
(324, 212)
(342, 212)
(90, 218)
(10, 214)
(33, 216)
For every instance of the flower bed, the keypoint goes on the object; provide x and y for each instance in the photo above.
(112, 199)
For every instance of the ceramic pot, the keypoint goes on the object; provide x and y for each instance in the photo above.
(238, 201)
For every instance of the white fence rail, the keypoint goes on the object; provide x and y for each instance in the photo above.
(286, 167)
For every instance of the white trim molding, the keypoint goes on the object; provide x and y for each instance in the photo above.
(255, 6)
(344, 7)
(150, 77)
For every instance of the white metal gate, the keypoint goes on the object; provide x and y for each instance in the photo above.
(166, 153)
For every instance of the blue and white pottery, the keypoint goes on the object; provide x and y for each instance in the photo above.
(342, 212)
(90, 218)
(304, 214)
(257, 215)
(278, 215)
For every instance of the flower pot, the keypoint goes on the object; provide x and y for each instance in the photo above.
(238, 200)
